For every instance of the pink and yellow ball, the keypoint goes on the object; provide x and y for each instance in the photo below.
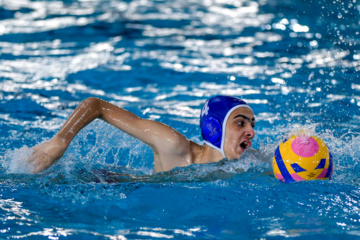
(301, 158)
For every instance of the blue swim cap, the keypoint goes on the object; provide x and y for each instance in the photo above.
(214, 116)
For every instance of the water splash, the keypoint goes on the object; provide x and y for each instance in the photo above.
(294, 65)
(16, 161)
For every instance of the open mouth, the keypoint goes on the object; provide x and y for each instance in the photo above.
(244, 145)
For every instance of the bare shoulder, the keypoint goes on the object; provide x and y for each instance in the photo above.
(171, 148)
(165, 138)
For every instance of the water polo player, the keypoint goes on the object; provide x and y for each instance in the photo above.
(226, 125)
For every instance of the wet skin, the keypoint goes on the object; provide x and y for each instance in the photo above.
(239, 132)
(171, 149)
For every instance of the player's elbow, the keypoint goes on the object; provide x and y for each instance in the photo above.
(91, 101)
(93, 104)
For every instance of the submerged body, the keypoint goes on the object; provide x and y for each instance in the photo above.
(171, 149)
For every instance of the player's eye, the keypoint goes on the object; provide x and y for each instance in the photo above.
(240, 123)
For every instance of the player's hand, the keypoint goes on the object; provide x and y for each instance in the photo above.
(46, 153)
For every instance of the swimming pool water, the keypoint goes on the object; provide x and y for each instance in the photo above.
(295, 62)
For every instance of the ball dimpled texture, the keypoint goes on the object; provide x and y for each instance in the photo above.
(301, 158)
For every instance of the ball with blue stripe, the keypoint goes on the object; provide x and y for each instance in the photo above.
(301, 158)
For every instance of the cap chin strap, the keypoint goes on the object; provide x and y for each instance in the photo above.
(224, 127)
(216, 148)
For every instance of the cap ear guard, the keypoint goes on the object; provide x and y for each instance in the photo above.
(213, 119)
(212, 131)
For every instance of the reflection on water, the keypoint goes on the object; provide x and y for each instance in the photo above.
(296, 62)
(257, 50)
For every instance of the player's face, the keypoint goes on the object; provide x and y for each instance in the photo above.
(239, 132)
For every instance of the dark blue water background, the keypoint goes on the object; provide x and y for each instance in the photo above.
(295, 61)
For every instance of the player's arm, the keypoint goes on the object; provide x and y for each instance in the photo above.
(160, 137)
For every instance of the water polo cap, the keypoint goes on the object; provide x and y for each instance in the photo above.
(214, 116)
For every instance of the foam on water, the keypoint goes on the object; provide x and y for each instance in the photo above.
(16, 161)
(93, 176)
(92, 149)
(295, 62)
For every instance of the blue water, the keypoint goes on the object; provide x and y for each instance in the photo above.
(296, 62)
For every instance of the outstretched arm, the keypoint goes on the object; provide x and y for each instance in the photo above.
(160, 137)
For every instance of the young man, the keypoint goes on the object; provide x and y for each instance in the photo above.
(226, 125)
